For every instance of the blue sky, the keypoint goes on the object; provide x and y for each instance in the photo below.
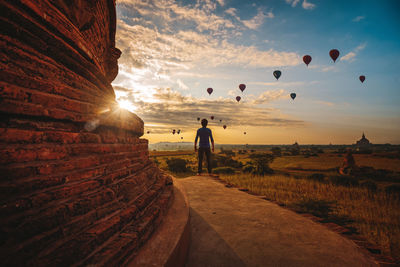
(173, 50)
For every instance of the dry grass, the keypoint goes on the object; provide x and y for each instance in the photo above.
(330, 160)
(171, 153)
(376, 216)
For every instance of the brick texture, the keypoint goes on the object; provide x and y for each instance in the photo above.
(76, 183)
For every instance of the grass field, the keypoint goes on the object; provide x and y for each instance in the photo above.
(327, 161)
(375, 214)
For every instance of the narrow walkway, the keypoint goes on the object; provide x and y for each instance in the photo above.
(232, 228)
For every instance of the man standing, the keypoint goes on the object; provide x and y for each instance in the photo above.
(205, 135)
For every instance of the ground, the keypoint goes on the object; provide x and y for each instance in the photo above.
(232, 228)
(310, 183)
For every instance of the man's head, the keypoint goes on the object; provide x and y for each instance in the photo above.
(204, 122)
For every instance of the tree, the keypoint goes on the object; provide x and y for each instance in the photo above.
(261, 163)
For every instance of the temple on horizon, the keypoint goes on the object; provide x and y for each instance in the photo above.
(363, 142)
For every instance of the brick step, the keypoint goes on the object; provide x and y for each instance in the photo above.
(89, 142)
(44, 220)
(78, 141)
(73, 91)
(29, 249)
(46, 42)
(61, 212)
(82, 244)
(30, 129)
(122, 247)
(25, 204)
(32, 154)
(72, 171)
(61, 75)
(31, 109)
(41, 169)
(72, 229)
(15, 92)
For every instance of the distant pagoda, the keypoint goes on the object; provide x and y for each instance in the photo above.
(363, 142)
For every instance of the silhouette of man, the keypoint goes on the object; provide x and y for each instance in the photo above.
(205, 135)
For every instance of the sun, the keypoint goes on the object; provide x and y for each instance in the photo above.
(125, 104)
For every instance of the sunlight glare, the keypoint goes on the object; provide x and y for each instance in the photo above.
(125, 104)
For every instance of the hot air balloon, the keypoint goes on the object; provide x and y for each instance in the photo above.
(179, 131)
(362, 78)
(198, 118)
(173, 131)
(220, 120)
(242, 87)
(307, 59)
(212, 117)
(209, 90)
(238, 98)
(293, 95)
(224, 127)
(244, 133)
(148, 132)
(334, 53)
(277, 74)
(181, 137)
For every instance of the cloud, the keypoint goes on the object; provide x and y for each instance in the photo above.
(254, 22)
(325, 103)
(293, 3)
(171, 109)
(232, 93)
(351, 55)
(307, 5)
(221, 2)
(269, 96)
(358, 18)
(182, 85)
(257, 20)
(327, 68)
(231, 11)
(168, 14)
(151, 58)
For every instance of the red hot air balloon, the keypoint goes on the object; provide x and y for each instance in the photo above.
(307, 59)
(362, 78)
(242, 87)
(212, 117)
(334, 53)
(238, 98)
(209, 90)
(224, 127)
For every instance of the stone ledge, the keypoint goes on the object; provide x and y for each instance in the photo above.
(170, 243)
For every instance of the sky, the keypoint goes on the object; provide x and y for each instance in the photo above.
(172, 51)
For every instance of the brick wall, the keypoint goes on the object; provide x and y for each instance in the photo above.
(76, 183)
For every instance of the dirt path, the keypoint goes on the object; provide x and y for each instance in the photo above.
(233, 228)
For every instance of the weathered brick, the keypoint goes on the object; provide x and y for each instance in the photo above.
(10, 135)
(65, 190)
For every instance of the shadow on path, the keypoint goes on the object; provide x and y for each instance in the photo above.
(207, 247)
